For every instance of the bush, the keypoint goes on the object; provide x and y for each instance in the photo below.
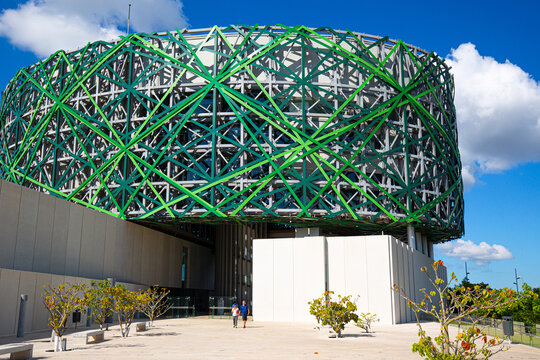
(334, 313)
(365, 320)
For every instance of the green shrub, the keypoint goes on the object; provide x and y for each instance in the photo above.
(335, 313)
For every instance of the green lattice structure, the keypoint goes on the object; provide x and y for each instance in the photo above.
(279, 124)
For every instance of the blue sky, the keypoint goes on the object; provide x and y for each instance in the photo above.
(491, 45)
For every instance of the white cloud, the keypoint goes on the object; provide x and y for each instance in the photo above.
(44, 26)
(481, 253)
(498, 112)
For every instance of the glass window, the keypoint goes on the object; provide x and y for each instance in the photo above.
(184, 266)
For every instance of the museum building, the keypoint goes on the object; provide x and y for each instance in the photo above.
(268, 163)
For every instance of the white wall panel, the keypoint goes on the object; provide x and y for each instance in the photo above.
(283, 258)
(337, 265)
(357, 271)
(309, 275)
(263, 280)
(357, 265)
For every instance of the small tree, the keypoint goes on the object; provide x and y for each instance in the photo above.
(60, 302)
(156, 303)
(334, 313)
(126, 303)
(98, 298)
(365, 320)
(450, 305)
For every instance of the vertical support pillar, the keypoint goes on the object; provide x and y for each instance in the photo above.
(411, 237)
(306, 232)
(418, 237)
(22, 315)
(326, 277)
(430, 247)
(424, 245)
(89, 316)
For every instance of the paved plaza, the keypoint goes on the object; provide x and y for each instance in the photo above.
(202, 338)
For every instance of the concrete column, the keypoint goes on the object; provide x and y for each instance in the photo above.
(418, 237)
(411, 237)
(425, 244)
(22, 313)
(305, 232)
(430, 249)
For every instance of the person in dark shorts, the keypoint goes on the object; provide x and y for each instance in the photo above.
(244, 310)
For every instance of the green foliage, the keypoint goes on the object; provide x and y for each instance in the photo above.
(98, 298)
(60, 302)
(526, 309)
(469, 344)
(126, 303)
(365, 320)
(156, 302)
(450, 305)
(335, 313)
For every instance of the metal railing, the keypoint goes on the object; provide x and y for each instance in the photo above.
(181, 307)
(220, 306)
(523, 334)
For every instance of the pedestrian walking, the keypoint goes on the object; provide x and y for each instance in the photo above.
(235, 312)
(244, 310)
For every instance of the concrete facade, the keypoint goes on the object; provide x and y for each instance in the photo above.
(13, 283)
(46, 240)
(42, 233)
(289, 272)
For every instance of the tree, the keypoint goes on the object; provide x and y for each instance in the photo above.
(99, 298)
(60, 302)
(126, 303)
(526, 310)
(450, 305)
(156, 303)
(334, 313)
(365, 320)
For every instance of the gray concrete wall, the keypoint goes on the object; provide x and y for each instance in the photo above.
(42, 233)
(13, 283)
(46, 241)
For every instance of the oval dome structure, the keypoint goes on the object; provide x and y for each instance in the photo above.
(265, 123)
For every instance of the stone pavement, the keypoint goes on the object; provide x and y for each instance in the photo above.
(202, 338)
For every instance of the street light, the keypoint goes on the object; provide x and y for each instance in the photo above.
(517, 278)
(466, 273)
(129, 16)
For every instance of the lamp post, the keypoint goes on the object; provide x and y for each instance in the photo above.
(466, 273)
(129, 15)
(517, 278)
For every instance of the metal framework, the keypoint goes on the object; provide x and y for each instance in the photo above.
(270, 123)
